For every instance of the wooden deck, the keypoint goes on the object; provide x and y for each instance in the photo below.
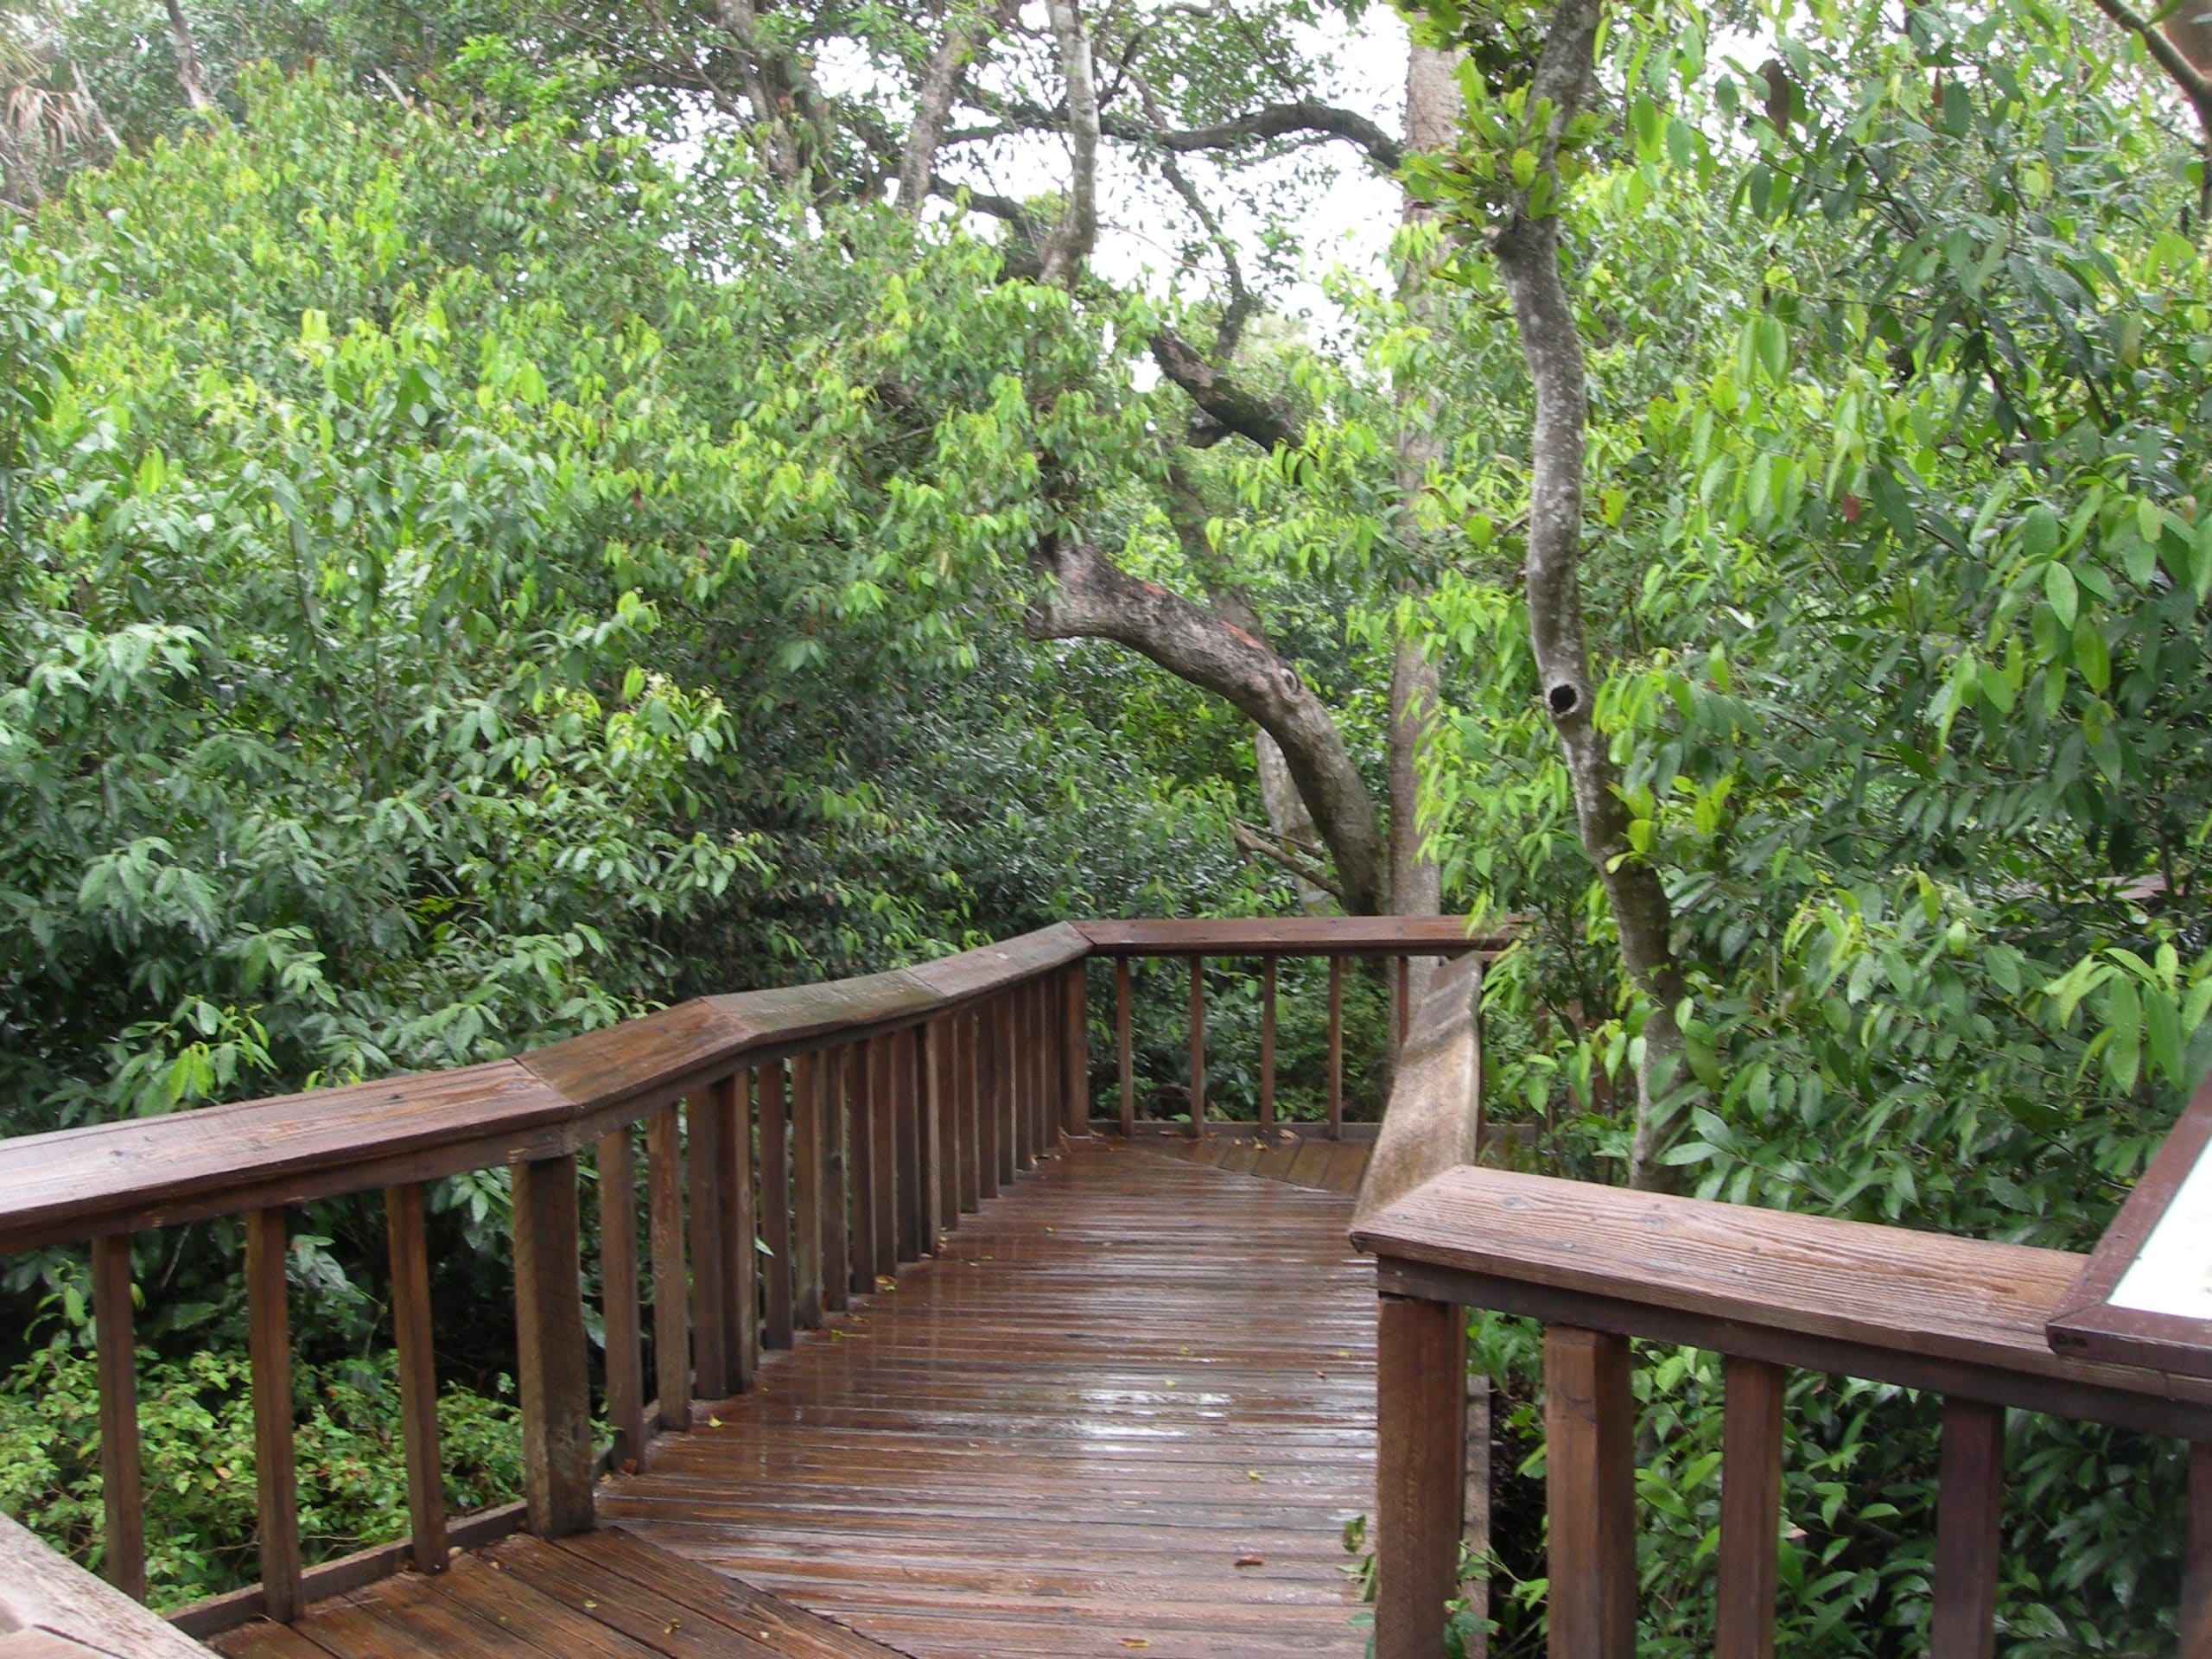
(1129, 1409)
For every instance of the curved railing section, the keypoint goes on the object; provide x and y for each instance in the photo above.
(796, 1147)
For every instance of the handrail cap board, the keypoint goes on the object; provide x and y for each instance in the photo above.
(1875, 1287)
(990, 966)
(45, 1594)
(1298, 935)
(156, 1171)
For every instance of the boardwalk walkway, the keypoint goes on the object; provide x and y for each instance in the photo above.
(1128, 1410)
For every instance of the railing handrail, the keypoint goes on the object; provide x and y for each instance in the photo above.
(1925, 1310)
(45, 1594)
(104, 1179)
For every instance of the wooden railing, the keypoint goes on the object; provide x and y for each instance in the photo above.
(797, 1146)
(1769, 1290)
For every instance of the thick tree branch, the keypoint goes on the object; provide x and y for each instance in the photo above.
(2187, 74)
(933, 99)
(1307, 118)
(1221, 399)
(187, 59)
(1090, 597)
(1308, 873)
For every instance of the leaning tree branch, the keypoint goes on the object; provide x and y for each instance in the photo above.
(1223, 400)
(1090, 597)
(1310, 873)
(2176, 62)
(1307, 118)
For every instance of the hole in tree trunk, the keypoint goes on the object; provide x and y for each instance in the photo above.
(1563, 699)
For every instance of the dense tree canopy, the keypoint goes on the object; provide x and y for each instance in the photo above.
(515, 513)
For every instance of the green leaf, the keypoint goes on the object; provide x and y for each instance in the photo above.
(2059, 587)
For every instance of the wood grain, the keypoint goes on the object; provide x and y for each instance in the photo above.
(1969, 1508)
(1421, 1408)
(618, 1298)
(1751, 1508)
(123, 1501)
(705, 1157)
(1589, 1480)
(672, 1289)
(44, 1593)
(409, 1254)
(549, 1366)
(772, 1110)
(275, 1478)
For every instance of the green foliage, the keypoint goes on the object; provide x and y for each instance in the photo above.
(196, 1419)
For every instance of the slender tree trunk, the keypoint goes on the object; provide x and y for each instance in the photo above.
(187, 59)
(1433, 107)
(1072, 239)
(1529, 259)
(933, 101)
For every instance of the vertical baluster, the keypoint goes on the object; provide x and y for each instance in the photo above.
(409, 1253)
(732, 1103)
(974, 1136)
(773, 1108)
(1590, 1457)
(2195, 1634)
(1267, 1044)
(942, 1117)
(268, 1340)
(1197, 1045)
(549, 1364)
(617, 1291)
(1075, 1053)
(1401, 1002)
(1421, 1401)
(704, 1158)
(883, 1129)
(1969, 1502)
(808, 1175)
(1124, 1054)
(988, 1131)
(862, 1070)
(837, 1182)
(671, 1299)
(1035, 1053)
(1020, 1040)
(1336, 1048)
(914, 1175)
(1751, 1508)
(122, 1478)
(1006, 1091)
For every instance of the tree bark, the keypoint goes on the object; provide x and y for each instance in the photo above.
(187, 59)
(1092, 598)
(933, 101)
(1529, 259)
(1077, 231)
(1433, 107)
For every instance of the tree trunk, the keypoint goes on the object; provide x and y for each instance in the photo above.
(187, 59)
(1072, 239)
(1529, 259)
(1433, 107)
(933, 101)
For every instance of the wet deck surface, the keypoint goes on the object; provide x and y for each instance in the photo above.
(1129, 1409)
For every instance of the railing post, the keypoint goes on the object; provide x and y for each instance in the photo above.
(1751, 1506)
(884, 1174)
(1197, 1045)
(409, 1248)
(968, 1103)
(2196, 1633)
(711, 1303)
(1336, 1048)
(1267, 1044)
(808, 1179)
(1006, 1090)
(618, 1294)
(122, 1478)
(1590, 1458)
(839, 1194)
(672, 1295)
(862, 1106)
(1124, 1055)
(731, 1103)
(1969, 1502)
(269, 1341)
(1421, 1394)
(942, 1130)
(1075, 1105)
(774, 1113)
(556, 1445)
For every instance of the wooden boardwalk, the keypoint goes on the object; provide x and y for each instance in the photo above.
(1129, 1409)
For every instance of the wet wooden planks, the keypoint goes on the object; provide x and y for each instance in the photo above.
(605, 1595)
(1331, 1166)
(1120, 1382)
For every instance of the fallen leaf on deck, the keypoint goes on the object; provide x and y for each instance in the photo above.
(1250, 1561)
